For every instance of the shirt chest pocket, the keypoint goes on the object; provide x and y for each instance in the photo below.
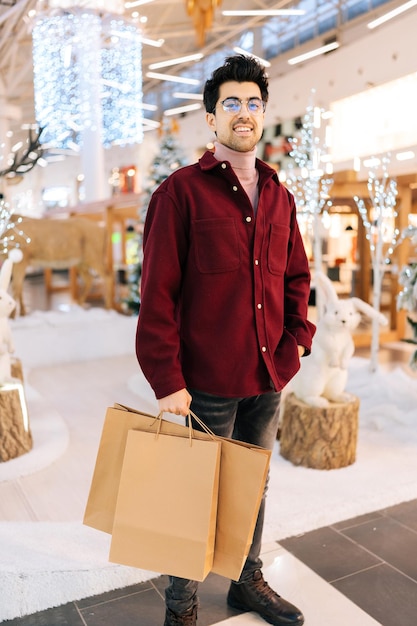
(216, 244)
(278, 248)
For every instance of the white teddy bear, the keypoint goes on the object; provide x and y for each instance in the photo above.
(323, 374)
(7, 306)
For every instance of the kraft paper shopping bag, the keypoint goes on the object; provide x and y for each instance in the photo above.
(101, 502)
(239, 494)
(243, 474)
(166, 510)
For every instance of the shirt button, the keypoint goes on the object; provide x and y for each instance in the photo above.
(259, 306)
(256, 262)
(248, 219)
(224, 166)
(263, 348)
(234, 188)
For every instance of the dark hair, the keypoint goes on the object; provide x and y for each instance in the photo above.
(239, 68)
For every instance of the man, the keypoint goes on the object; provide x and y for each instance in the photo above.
(223, 317)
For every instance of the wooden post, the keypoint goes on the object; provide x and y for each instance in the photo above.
(320, 438)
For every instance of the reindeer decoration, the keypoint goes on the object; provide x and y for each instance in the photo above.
(55, 243)
(62, 243)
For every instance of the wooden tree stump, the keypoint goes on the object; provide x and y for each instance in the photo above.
(321, 438)
(15, 435)
(17, 369)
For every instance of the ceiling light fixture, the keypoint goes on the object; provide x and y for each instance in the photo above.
(156, 43)
(314, 53)
(183, 109)
(391, 14)
(136, 3)
(150, 123)
(263, 12)
(187, 96)
(405, 156)
(149, 107)
(264, 62)
(186, 59)
(174, 79)
(371, 162)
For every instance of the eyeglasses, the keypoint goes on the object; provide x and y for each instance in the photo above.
(234, 105)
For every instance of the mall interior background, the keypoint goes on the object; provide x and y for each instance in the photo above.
(373, 73)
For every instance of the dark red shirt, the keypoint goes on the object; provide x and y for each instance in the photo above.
(224, 294)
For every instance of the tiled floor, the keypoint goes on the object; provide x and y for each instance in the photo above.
(360, 572)
(370, 559)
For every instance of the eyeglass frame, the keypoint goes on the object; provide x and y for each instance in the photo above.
(240, 101)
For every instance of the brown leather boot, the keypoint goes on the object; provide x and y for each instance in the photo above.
(186, 619)
(256, 595)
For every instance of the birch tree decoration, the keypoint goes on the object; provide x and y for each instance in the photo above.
(407, 298)
(308, 178)
(378, 218)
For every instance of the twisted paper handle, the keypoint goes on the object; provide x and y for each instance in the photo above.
(205, 428)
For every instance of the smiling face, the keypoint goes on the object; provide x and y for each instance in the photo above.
(239, 131)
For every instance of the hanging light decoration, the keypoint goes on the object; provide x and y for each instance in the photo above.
(87, 74)
(202, 13)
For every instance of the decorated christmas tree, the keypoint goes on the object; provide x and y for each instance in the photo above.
(169, 159)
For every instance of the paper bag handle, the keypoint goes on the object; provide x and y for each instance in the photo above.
(202, 424)
(205, 428)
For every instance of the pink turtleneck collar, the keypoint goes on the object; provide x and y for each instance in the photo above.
(243, 164)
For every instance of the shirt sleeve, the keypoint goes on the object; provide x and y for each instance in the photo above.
(297, 289)
(157, 335)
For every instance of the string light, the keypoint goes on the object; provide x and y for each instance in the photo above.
(87, 77)
(379, 224)
(378, 220)
(9, 229)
